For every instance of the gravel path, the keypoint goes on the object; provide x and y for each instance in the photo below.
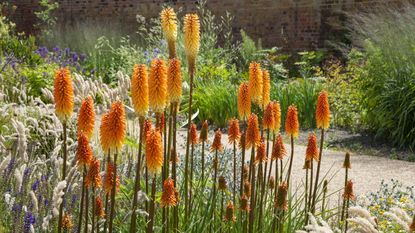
(367, 171)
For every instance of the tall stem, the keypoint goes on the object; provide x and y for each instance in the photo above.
(313, 205)
(81, 206)
(114, 187)
(65, 155)
(234, 172)
(133, 224)
(346, 177)
(175, 208)
(215, 174)
(150, 224)
(191, 177)
(86, 206)
(306, 195)
(291, 161)
(107, 197)
(252, 204)
(93, 209)
(242, 164)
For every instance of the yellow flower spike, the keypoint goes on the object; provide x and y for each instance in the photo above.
(323, 111)
(244, 101)
(157, 85)
(154, 152)
(255, 83)
(191, 29)
(169, 26)
(139, 89)
(63, 94)
(174, 81)
(276, 108)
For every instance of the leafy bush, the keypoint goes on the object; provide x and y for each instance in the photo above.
(387, 78)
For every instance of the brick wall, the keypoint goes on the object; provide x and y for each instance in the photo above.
(292, 24)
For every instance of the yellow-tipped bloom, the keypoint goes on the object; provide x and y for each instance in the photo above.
(83, 151)
(229, 214)
(174, 81)
(312, 148)
(193, 134)
(154, 152)
(168, 196)
(112, 130)
(233, 132)
(86, 117)
(244, 101)
(217, 141)
(157, 85)
(268, 120)
(276, 108)
(323, 111)
(139, 90)
(255, 83)
(252, 132)
(204, 132)
(292, 127)
(266, 88)
(278, 150)
(169, 25)
(191, 28)
(63, 94)
(93, 177)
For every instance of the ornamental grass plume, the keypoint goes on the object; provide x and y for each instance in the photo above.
(84, 152)
(255, 83)
(244, 101)
(252, 132)
(229, 214)
(323, 111)
(233, 132)
(276, 108)
(312, 148)
(193, 134)
(99, 208)
(281, 202)
(266, 88)
(278, 150)
(86, 117)
(139, 90)
(169, 26)
(93, 177)
(348, 191)
(154, 152)
(292, 126)
(261, 156)
(112, 130)
(191, 28)
(268, 120)
(174, 81)
(217, 142)
(109, 179)
(63, 94)
(168, 196)
(157, 85)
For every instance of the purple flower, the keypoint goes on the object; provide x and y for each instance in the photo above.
(82, 57)
(29, 220)
(35, 185)
(67, 51)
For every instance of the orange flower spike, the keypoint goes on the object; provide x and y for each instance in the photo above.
(292, 126)
(63, 94)
(174, 81)
(157, 85)
(86, 117)
(244, 101)
(243, 203)
(217, 142)
(93, 177)
(109, 179)
(312, 148)
(67, 222)
(252, 132)
(233, 132)
(323, 111)
(204, 132)
(139, 90)
(147, 127)
(268, 119)
(154, 152)
(99, 208)
(281, 202)
(193, 134)
(168, 196)
(278, 151)
(229, 214)
(191, 28)
(348, 191)
(255, 83)
(112, 129)
(84, 152)
(261, 156)
(276, 108)
(266, 88)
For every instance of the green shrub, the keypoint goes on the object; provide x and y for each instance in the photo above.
(387, 78)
